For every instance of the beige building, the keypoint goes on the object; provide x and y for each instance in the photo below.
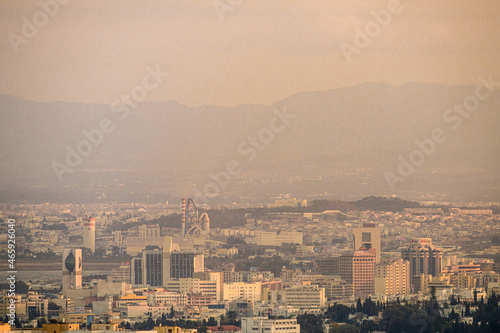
(305, 297)
(357, 268)
(59, 328)
(271, 238)
(168, 329)
(227, 273)
(263, 324)
(463, 280)
(368, 237)
(335, 287)
(289, 203)
(238, 290)
(146, 231)
(424, 282)
(196, 286)
(424, 258)
(392, 277)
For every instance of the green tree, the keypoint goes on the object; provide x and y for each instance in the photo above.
(359, 305)
(338, 313)
(345, 328)
(54, 306)
(232, 317)
(368, 326)
(310, 323)
(172, 312)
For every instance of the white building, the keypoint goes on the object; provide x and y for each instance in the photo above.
(270, 238)
(195, 286)
(165, 298)
(146, 231)
(89, 233)
(304, 297)
(238, 290)
(265, 325)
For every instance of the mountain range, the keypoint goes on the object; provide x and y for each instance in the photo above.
(344, 144)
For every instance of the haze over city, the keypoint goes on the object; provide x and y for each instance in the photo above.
(249, 166)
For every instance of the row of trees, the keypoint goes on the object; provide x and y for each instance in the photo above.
(231, 318)
(422, 317)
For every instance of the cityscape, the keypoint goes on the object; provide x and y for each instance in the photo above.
(167, 266)
(249, 166)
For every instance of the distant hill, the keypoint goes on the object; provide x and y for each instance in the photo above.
(341, 142)
(373, 203)
(385, 204)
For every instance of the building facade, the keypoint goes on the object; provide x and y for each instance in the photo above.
(265, 325)
(183, 264)
(89, 233)
(357, 269)
(424, 258)
(367, 237)
(392, 277)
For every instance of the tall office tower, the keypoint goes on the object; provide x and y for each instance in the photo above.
(424, 257)
(136, 271)
(183, 264)
(367, 237)
(72, 269)
(166, 253)
(89, 233)
(357, 268)
(148, 268)
(392, 277)
(152, 261)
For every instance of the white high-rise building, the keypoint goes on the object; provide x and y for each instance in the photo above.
(368, 237)
(89, 233)
(167, 250)
(72, 269)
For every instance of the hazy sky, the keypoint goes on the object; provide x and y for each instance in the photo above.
(259, 52)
